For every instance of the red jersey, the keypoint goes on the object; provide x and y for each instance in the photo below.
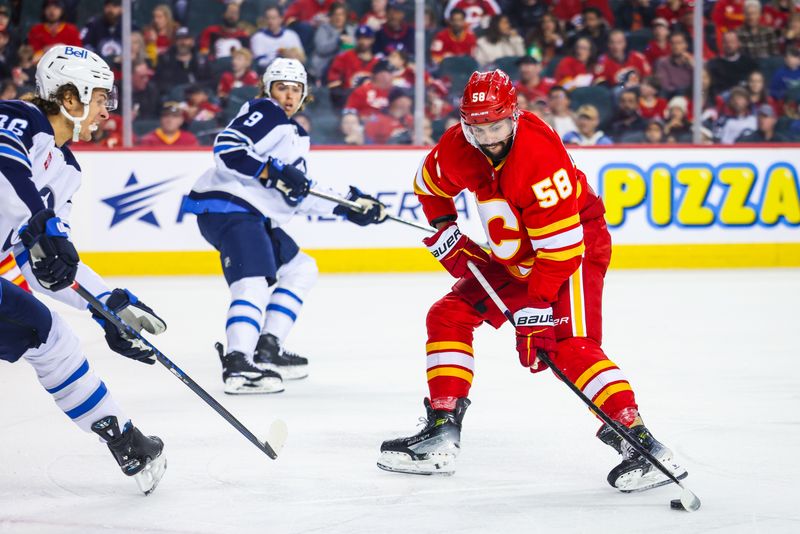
(158, 138)
(10, 271)
(445, 44)
(40, 37)
(727, 15)
(655, 51)
(653, 111)
(533, 93)
(474, 10)
(611, 71)
(570, 68)
(777, 18)
(306, 10)
(367, 99)
(379, 128)
(218, 40)
(228, 81)
(347, 70)
(672, 16)
(533, 204)
(567, 10)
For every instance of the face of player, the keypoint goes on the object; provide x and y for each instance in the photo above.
(98, 111)
(287, 95)
(494, 138)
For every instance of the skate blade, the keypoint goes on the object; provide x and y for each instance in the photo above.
(245, 386)
(287, 372)
(435, 464)
(634, 481)
(148, 478)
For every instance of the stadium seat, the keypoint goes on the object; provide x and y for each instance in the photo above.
(237, 97)
(457, 69)
(638, 39)
(205, 131)
(508, 64)
(768, 66)
(220, 65)
(549, 70)
(599, 97)
(143, 126)
(438, 128)
(325, 129)
(178, 92)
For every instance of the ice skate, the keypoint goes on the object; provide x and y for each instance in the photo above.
(431, 451)
(139, 456)
(269, 355)
(635, 473)
(241, 377)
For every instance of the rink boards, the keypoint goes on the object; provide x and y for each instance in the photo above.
(691, 207)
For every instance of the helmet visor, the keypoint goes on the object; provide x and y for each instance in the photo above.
(491, 133)
(112, 99)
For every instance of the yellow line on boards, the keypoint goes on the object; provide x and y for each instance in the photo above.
(400, 260)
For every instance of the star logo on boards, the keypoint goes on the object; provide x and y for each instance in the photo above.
(136, 201)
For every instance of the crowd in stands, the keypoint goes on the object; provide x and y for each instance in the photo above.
(600, 72)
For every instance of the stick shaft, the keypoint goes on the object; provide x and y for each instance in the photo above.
(358, 207)
(107, 314)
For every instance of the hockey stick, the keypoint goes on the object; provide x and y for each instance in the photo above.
(689, 500)
(362, 209)
(276, 436)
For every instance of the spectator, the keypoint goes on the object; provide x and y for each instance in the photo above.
(11, 33)
(594, 28)
(651, 106)
(500, 40)
(676, 121)
(675, 71)
(737, 120)
(757, 41)
(546, 41)
(635, 14)
(531, 83)
(765, 132)
(627, 120)
(351, 67)
(403, 70)
(522, 102)
(577, 69)
(478, 12)
(654, 132)
(776, 14)
(788, 76)
(304, 121)
(452, 120)
(570, 11)
(275, 40)
(757, 89)
(351, 128)
(427, 132)
(181, 64)
(727, 16)
(198, 107)
(311, 12)
(52, 30)
(396, 33)
(791, 34)
(376, 16)
(6, 55)
(539, 107)
(372, 96)
(160, 33)
(241, 74)
(331, 37)
(658, 46)
(613, 65)
(24, 74)
(220, 40)
(436, 105)
(145, 94)
(169, 132)
(561, 117)
(526, 14)
(672, 11)
(731, 67)
(8, 91)
(455, 40)
(396, 124)
(587, 133)
(103, 33)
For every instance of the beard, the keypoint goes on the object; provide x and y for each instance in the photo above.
(498, 150)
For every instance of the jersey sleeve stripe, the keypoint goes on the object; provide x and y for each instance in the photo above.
(16, 155)
(562, 255)
(432, 185)
(236, 135)
(555, 227)
(241, 162)
(561, 240)
(419, 184)
(14, 139)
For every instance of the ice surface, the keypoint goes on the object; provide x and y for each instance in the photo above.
(712, 355)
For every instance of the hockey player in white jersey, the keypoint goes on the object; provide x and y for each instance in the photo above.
(259, 183)
(38, 176)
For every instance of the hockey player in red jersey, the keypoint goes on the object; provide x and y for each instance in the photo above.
(550, 249)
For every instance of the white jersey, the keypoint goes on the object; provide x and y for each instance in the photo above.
(261, 130)
(35, 174)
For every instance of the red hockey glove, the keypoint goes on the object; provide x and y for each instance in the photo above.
(535, 331)
(453, 249)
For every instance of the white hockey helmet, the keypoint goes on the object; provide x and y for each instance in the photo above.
(283, 69)
(62, 65)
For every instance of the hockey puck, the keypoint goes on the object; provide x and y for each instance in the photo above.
(676, 504)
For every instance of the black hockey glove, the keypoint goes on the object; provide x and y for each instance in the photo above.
(374, 210)
(138, 316)
(54, 260)
(289, 180)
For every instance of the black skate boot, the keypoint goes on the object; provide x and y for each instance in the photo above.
(635, 473)
(269, 355)
(431, 451)
(139, 456)
(242, 377)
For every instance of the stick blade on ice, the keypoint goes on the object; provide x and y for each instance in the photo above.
(690, 501)
(276, 437)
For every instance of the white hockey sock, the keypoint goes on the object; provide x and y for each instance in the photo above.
(65, 374)
(249, 297)
(295, 279)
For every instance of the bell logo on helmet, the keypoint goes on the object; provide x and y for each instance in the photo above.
(77, 52)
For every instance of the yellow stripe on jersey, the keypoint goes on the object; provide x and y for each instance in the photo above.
(7, 267)
(18, 281)
(577, 304)
(555, 227)
(562, 255)
(431, 185)
(591, 371)
(448, 345)
(611, 390)
(455, 372)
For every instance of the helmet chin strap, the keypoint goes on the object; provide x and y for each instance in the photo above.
(76, 121)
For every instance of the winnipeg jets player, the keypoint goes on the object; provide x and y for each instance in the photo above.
(38, 176)
(259, 183)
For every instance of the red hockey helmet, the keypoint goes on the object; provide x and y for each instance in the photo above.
(488, 97)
